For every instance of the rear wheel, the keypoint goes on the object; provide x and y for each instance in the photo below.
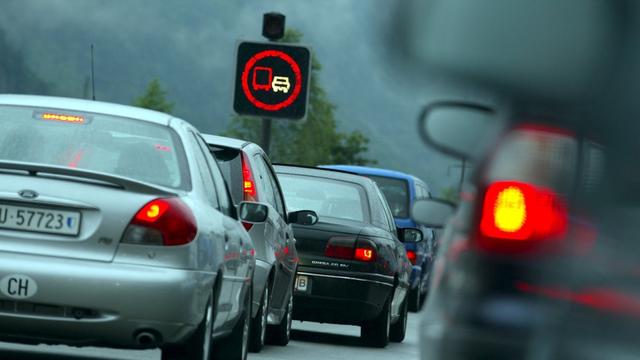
(376, 332)
(399, 329)
(198, 345)
(258, 330)
(235, 346)
(281, 333)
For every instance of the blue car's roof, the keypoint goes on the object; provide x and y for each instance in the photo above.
(365, 170)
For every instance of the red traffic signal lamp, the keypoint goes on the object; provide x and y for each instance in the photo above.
(272, 80)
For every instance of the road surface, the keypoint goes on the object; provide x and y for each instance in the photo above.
(310, 341)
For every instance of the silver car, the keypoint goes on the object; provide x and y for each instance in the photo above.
(117, 229)
(251, 177)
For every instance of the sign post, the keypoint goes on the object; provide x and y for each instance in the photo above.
(272, 82)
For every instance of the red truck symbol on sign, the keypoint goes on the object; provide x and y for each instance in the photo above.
(263, 79)
(264, 73)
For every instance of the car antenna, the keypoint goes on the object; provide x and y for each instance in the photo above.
(93, 82)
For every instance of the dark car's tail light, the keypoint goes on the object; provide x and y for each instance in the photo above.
(523, 209)
(249, 190)
(166, 221)
(340, 248)
(519, 217)
(412, 256)
(365, 253)
(350, 249)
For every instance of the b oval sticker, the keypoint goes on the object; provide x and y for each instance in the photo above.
(18, 286)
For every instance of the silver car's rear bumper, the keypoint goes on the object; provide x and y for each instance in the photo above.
(93, 303)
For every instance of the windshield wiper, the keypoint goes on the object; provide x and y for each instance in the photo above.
(119, 181)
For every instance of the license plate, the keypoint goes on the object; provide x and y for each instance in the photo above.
(39, 220)
(302, 283)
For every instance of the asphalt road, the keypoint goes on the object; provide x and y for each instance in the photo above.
(311, 341)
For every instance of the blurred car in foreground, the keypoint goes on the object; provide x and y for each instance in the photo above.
(353, 269)
(507, 252)
(401, 191)
(540, 260)
(250, 176)
(109, 236)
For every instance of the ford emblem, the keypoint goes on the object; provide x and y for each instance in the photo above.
(28, 194)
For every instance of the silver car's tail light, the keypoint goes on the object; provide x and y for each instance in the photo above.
(166, 221)
(249, 189)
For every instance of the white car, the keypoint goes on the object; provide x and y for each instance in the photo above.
(280, 83)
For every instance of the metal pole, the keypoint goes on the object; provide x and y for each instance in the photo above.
(464, 166)
(93, 83)
(266, 135)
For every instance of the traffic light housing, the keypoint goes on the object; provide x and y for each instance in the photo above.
(273, 26)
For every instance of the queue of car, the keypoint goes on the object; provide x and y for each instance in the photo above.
(128, 228)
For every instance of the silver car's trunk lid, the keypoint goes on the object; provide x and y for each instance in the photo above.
(104, 212)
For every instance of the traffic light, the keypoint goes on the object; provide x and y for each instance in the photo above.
(273, 26)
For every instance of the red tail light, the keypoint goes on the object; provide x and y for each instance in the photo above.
(340, 248)
(167, 222)
(350, 249)
(249, 191)
(248, 184)
(365, 254)
(518, 216)
(412, 256)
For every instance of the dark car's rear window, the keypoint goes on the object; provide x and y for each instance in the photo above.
(327, 197)
(396, 191)
(230, 162)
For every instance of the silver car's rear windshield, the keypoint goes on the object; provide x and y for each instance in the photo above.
(120, 146)
(327, 197)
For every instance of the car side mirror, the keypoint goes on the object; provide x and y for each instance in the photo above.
(303, 217)
(461, 129)
(411, 235)
(253, 212)
(433, 213)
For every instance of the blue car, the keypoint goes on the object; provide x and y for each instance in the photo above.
(401, 190)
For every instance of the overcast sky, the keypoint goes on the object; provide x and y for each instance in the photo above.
(190, 46)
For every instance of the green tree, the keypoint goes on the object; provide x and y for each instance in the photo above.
(154, 98)
(314, 141)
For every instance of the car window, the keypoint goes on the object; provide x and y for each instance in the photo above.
(205, 173)
(230, 164)
(279, 201)
(265, 186)
(378, 215)
(391, 224)
(329, 198)
(219, 182)
(421, 192)
(396, 192)
(131, 148)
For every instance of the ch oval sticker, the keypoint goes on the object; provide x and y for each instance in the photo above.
(18, 286)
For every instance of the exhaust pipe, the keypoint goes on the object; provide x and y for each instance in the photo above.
(146, 339)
